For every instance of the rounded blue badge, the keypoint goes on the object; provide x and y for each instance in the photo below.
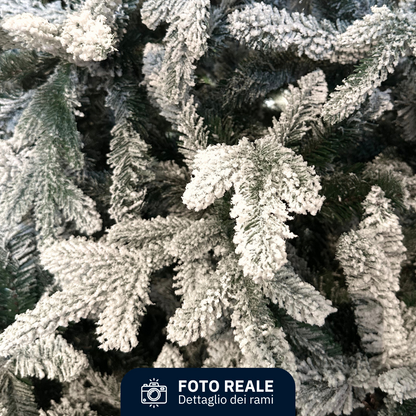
(207, 391)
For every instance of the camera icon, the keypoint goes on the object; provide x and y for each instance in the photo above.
(153, 393)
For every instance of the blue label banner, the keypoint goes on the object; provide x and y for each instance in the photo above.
(207, 391)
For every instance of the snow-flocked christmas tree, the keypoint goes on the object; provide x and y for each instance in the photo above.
(199, 183)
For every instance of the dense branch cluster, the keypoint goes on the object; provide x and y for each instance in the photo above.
(217, 167)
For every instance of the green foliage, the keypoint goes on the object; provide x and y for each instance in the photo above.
(128, 103)
(309, 340)
(407, 408)
(49, 119)
(345, 191)
(129, 154)
(47, 136)
(20, 276)
(16, 395)
(6, 275)
(406, 104)
(257, 75)
(21, 68)
(328, 145)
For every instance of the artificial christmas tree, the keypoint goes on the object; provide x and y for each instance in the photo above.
(204, 183)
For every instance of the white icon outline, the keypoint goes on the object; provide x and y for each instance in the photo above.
(148, 391)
